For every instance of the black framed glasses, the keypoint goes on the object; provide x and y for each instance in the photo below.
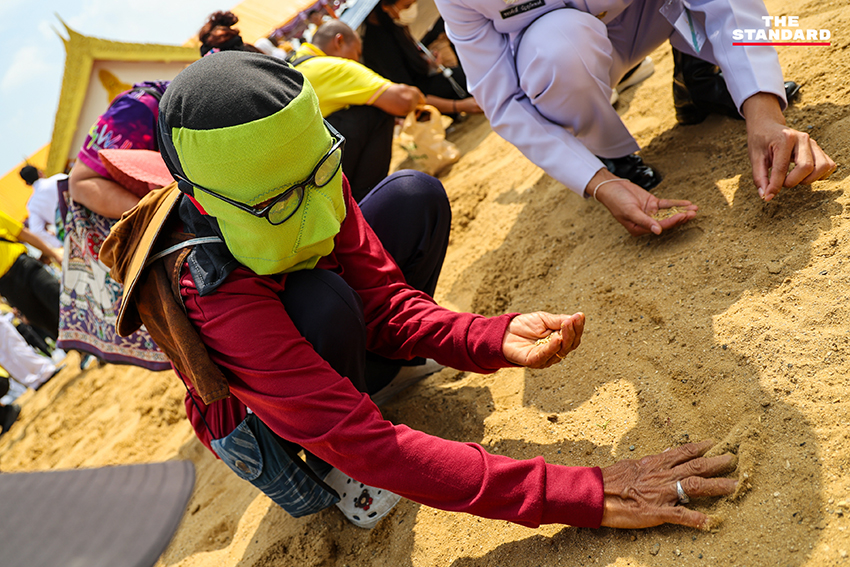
(279, 209)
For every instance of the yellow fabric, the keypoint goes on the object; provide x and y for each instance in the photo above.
(14, 193)
(295, 140)
(258, 18)
(9, 252)
(339, 82)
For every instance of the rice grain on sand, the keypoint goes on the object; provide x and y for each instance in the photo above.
(667, 213)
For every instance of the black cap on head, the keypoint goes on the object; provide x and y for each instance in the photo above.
(29, 174)
(211, 98)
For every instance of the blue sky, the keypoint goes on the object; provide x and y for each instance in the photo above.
(34, 57)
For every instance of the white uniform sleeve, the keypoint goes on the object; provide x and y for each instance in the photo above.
(492, 79)
(38, 221)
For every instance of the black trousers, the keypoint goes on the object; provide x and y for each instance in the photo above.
(368, 133)
(411, 215)
(34, 337)
(32, 290)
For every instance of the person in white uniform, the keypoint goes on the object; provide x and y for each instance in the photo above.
(543, 72)
(20, 360)
(42, 205)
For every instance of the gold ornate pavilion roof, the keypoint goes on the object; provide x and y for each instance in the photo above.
(81, 53)
(257, 18)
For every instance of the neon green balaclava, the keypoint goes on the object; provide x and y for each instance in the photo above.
(248, 127)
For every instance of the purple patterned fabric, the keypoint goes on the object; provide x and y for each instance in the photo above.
(129, 123)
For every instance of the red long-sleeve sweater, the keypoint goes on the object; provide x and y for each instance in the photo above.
(273, 370)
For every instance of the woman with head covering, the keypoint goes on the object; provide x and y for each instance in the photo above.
(270, 289)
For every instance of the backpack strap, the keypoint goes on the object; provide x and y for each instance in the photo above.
(296, 61)
(149, 90)
(185, 244)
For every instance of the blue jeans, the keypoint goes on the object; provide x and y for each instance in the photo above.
(257, 455)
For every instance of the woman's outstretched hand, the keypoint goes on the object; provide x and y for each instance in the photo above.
(643, 493)
(539, 340)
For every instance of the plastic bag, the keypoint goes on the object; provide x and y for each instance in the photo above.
(424, 138)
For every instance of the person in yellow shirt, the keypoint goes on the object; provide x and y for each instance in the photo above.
(355, 100)
(24, 281)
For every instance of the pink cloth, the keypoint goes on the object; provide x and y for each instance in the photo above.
(139, 171)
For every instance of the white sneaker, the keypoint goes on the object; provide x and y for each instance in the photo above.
(406, 377)
(642, 73)
(362, 504)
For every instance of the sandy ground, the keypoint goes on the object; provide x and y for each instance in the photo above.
(732, 327)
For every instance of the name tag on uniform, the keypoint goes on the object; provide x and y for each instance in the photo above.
(682, 19)
(522, 8)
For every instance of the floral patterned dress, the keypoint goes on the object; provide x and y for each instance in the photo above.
(90, 298)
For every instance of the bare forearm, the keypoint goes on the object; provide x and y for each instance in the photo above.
(452, 106)
(102, 196)
(400, 100)
(444, 105)
(31, 239)
(760, 107)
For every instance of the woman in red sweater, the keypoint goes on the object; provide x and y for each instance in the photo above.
(309, 305)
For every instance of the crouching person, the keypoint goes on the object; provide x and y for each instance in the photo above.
(288, 310)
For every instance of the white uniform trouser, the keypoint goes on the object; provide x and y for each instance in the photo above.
(20, 360)
(568, 61)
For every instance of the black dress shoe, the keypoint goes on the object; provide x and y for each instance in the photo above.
(631, 167)
(699, 89)
(8, 415)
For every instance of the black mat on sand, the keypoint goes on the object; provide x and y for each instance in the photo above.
(110, 517)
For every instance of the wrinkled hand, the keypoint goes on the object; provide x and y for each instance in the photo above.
(642, 493)
(632, 206)
(539, 340)
(773, 147)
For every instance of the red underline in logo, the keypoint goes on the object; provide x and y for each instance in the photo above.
(824, 44)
